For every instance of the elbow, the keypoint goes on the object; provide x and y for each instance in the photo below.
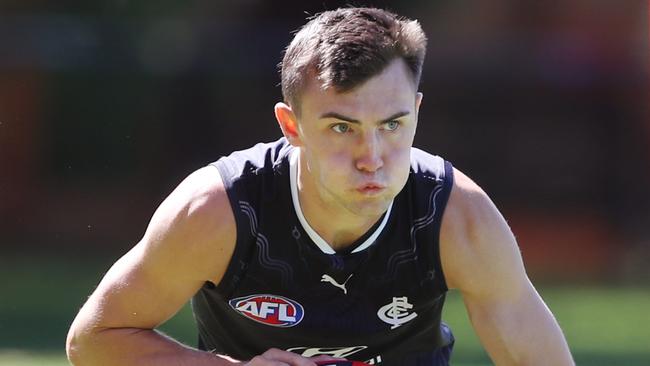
(73, 346)
(78, 344)
(72, 350)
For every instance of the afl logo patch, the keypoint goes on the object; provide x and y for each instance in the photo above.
(276, 311)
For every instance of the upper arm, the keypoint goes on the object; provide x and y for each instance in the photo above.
(477, 244)
(189, 240)
(481, 259)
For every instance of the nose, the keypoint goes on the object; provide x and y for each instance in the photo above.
(369, 158)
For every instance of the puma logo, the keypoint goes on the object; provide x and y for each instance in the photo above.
(328, 278)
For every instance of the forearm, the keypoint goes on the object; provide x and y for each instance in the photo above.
(527, 334)
(544, 343)
(130, 346)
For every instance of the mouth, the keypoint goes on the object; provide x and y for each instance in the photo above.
(371, 188)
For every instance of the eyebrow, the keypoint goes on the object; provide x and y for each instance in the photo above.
(352, 120)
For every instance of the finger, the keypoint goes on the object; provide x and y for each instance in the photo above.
(323, 358)
(264, 361)
(288, 357)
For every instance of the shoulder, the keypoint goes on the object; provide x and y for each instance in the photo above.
(476, 242)
(468, 203)
(427, 165)
(186, 244)
(193, 223)
(200, 197)
(262, 157)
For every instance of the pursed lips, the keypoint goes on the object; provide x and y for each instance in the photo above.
(370, 188)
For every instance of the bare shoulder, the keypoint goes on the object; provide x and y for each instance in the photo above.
(477, 244)
(189, 240)
(195, 223)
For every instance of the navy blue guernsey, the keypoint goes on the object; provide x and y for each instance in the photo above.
(378, 301)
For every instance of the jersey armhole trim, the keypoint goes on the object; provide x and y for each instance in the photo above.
(448, 184)
(233, 270)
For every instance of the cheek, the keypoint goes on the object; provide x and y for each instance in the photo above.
(334, 165)
(329, 165)
(400, 163)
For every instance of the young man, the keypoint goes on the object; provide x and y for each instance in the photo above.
(338, 240)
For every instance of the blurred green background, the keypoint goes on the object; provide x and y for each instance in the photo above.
(106, 106)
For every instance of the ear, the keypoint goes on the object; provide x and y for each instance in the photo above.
(418, 102)
(288, 122)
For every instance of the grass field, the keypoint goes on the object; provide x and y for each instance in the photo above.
(604, 325)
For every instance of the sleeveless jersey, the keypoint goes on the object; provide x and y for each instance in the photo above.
(378, 301)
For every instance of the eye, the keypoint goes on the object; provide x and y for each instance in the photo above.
(391, 125)
(341, 128)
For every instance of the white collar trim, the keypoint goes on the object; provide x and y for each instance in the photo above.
(313, 235)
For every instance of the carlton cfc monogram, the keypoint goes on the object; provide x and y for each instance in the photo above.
(397, 312)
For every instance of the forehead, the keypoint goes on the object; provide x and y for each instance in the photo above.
(390, 91)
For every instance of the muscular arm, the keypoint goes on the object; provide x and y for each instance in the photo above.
(189, 240)
(481, 259)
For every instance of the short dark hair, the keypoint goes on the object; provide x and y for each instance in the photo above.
(345, 47)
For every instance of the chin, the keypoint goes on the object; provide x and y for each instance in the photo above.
(369, 209)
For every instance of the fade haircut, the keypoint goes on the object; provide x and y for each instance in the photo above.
(343, 48)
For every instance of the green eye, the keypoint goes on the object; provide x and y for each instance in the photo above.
(341, 128)
(391, 125)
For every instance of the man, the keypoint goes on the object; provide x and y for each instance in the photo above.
(337, 241)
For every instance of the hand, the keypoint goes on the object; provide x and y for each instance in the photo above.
(276, 357)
